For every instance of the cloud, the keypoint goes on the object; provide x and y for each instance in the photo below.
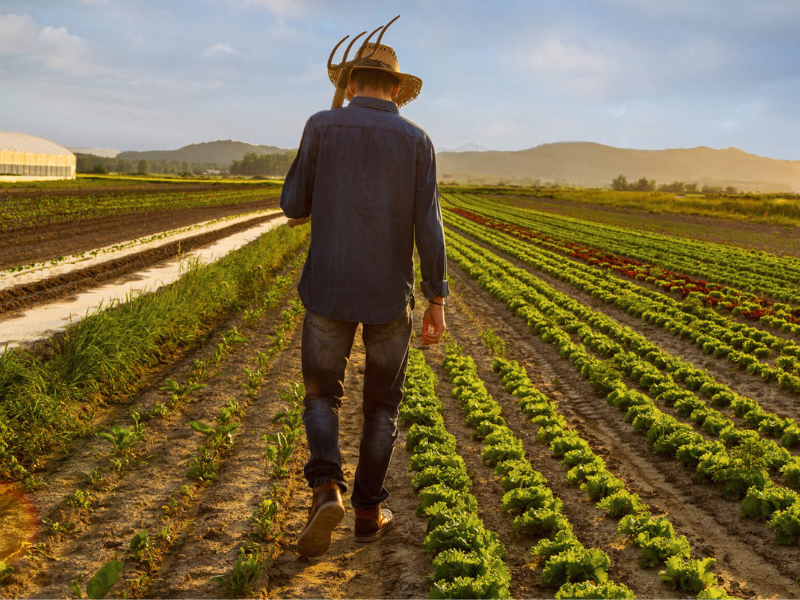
(54, 47)
(569, 67)
(220, 49)
(280, 8)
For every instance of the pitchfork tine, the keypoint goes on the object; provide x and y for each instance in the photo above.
(350, 45)
(335, 48)
(380, 37)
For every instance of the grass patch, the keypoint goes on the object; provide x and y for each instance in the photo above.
(47, 400)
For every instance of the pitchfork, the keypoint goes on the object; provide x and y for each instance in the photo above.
(345, 68)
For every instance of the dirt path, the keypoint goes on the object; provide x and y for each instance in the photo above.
(393, 567)
(749, 560)
(25, 245)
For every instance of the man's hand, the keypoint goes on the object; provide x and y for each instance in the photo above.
(433, 324)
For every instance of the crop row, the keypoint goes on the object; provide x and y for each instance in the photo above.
(50, 397)
(760, 273)
(577, 571)
(698, 330)
(21, 212)
(715, 334)
(655, 536)
(720, 297)
(742, 473)
(20, 269)
(468, 559)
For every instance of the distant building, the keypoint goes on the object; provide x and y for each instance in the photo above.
(26, 157)
(447, 178)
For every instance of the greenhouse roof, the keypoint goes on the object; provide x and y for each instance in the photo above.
(22, 142)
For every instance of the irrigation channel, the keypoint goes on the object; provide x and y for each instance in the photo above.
(125, 270)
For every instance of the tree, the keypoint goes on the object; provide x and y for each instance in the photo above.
(620, 184)
(691, 188)
(143, 167)
(100, 169)
(643, 185)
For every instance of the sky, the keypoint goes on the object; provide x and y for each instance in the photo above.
(505, 74)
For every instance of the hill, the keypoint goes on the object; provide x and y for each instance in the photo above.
(595, 165)
(104, 152)
(221, 152)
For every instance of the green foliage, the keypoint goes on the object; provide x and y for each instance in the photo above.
(469, 575)
(574, 565)
(634, 524)
(656, 550)
(453, 477)
(246, 571)
(602, 485)
(621, 503)
(761, 504)
(451, 498)
(562, 541)
(465, 532)
(786, 524)
(140, 548)
(264, 518)
(689, 575)
(589, 589)
(544, 521)
(495, 345)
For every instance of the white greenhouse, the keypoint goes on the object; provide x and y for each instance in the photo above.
(26, 157)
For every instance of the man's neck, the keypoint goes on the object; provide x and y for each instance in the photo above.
(372, 94)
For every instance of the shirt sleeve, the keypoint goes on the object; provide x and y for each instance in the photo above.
(428, 226)
(298, 187)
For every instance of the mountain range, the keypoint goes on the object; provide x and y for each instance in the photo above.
(595, 165)
(221, 152)
(583, 164)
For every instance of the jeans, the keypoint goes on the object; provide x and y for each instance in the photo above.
(325, 351)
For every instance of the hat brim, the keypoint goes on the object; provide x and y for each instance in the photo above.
(410, 85)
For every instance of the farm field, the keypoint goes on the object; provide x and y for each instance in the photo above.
(613, 414)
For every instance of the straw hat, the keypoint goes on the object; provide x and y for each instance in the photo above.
(385, 59)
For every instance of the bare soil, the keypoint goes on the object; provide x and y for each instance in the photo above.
(24, 296)
(26, 245)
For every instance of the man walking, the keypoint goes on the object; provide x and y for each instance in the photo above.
(369, 176)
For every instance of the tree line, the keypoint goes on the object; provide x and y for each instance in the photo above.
(276, 165)
(621, 184)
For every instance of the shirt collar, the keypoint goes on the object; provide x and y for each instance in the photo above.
(377, 103)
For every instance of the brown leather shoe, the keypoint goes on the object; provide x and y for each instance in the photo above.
(371, 524)
(327, 511)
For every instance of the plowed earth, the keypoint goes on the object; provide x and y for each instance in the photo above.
(52, 288)
(25, 245)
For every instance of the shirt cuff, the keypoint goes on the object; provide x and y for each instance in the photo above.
(433, 289)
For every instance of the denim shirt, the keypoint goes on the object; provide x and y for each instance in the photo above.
(369, 177)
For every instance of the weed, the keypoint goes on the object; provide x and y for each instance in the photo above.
(187, 491)
(140, 548)
(5, 571)
(80, 500)
(124, 438)
(252, 383)
(203, 465)
(264, 518)
(171, 509)
(495, 344)
(31, 483)
(165, 534)
(96, 477)
(246, 571)
(56, 528)
(279, 451)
